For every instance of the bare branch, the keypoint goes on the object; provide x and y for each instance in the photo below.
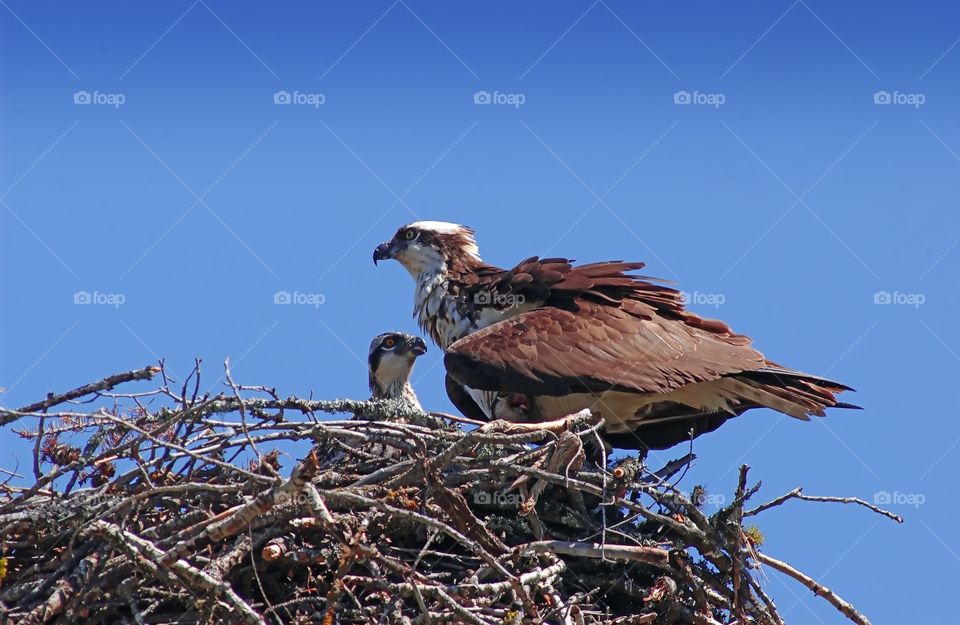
(140, 511)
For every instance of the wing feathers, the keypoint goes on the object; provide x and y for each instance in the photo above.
(552, 351)
(598, 329)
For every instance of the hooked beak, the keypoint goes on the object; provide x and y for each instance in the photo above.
(417, 346)
(384, 251)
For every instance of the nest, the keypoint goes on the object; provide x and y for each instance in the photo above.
(169, 506)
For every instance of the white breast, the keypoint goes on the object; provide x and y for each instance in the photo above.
(431, 296)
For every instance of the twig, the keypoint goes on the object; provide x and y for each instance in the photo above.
(797, 493)
(105, 384)
(818, 589)
(392, 516)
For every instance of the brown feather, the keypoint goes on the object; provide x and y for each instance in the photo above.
(597, 329)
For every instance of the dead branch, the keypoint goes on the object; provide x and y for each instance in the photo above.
(818, 589)
(797, 493)
(165, 506)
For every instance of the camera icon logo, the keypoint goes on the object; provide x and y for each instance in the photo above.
(882, 497)
(882, 297)
(483, 298)
(82, 97)
(282, 97)
(82, 297)
(682, 97)
(882, 97)
(282, 297)
(482, 97)
(482, 498)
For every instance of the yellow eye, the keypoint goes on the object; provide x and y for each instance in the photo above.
(410, 234)
(390, 342)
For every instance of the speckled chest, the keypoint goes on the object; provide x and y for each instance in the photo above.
(444, 312)
(440, 311)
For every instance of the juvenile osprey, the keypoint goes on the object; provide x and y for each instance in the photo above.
(390, 362)
(547, 339)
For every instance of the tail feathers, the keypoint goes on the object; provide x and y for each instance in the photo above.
(794, 405)
(843, 404)
(774, 370)
(793, 393)
(660, 425)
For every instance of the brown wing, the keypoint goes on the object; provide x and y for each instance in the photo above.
(556, 282)
(634, 345)
(598, 328)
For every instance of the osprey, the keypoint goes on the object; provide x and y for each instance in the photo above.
(548, 338)
(390, 362)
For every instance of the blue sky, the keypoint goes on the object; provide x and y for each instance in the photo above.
(792, 165)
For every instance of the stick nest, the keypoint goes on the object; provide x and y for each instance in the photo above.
(173, 506)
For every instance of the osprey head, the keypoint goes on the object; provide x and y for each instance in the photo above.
(425, 246)
(390, 362)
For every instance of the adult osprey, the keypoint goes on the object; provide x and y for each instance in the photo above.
(547, 339)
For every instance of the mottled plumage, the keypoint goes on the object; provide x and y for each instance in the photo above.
(596, 336)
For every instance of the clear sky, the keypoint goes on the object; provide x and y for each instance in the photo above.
(795, 166)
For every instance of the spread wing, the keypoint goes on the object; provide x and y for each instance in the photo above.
(602, 339)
